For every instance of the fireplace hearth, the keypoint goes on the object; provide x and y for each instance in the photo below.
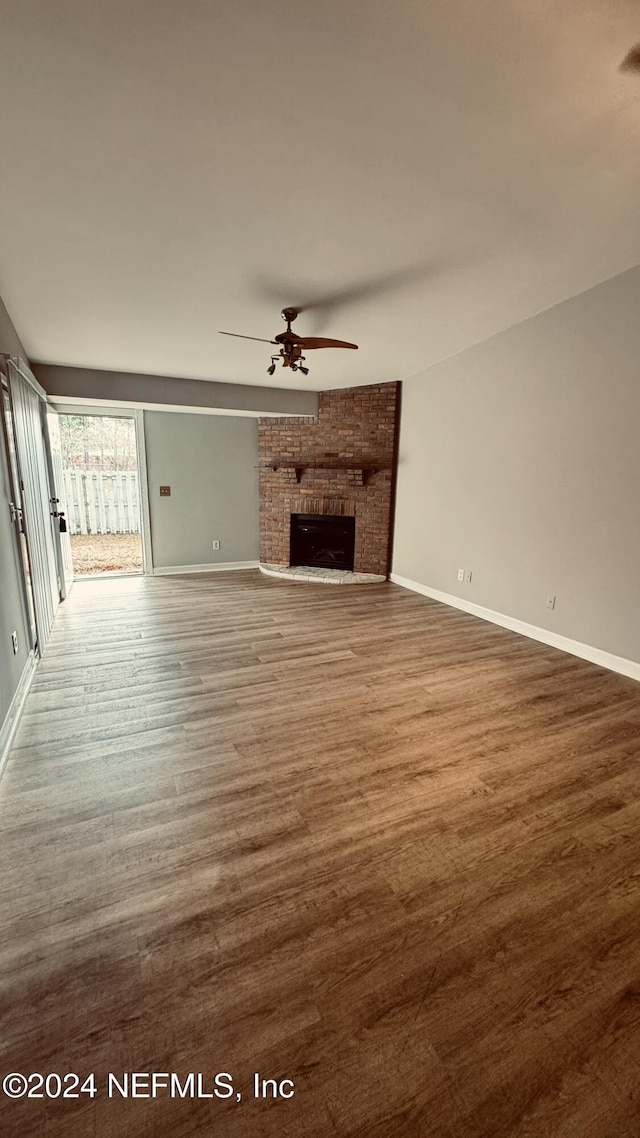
(325, 541)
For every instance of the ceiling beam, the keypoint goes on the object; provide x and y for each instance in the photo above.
(66, 385)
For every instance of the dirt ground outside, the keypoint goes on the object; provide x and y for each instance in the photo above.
(106, 553)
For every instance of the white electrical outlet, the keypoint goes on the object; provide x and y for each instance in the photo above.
(216, 545)
(467, 575)
(14, 641)
(461, 574)
(551, 601)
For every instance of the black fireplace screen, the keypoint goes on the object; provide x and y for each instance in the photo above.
(322, 540)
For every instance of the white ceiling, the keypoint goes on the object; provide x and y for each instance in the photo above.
(170, 169)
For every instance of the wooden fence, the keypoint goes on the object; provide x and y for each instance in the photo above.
(102, 501)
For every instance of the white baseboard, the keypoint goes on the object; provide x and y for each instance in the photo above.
(12, 718)
(619, 664)
(215, 567)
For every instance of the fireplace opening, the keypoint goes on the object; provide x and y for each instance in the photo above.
(323, 540)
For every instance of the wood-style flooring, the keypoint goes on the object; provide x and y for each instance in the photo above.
(344, 836)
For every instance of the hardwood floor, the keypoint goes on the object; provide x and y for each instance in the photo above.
(344, 836)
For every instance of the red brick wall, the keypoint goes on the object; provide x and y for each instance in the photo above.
(357, 423)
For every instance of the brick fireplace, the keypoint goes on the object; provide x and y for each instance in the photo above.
(342, 463)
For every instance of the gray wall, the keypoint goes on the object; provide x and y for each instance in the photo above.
(129, 388)
(520, 460)
(210, 463)
(11, 608)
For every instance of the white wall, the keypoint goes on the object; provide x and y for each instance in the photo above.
(210, 463)
(520, 460)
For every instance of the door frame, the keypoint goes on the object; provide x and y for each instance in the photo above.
(21, 537)
(63, 549)
(117, 411)
(32, 461)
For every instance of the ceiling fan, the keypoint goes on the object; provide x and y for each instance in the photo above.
(292, 345)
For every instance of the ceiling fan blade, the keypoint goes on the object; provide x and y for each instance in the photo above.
(362, 290)
(631, 61)
(324, 305)
(309, 342)
(240, 336)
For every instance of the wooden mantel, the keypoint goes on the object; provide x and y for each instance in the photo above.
(366, 469)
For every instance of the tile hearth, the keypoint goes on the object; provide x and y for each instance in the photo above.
(321, 576)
